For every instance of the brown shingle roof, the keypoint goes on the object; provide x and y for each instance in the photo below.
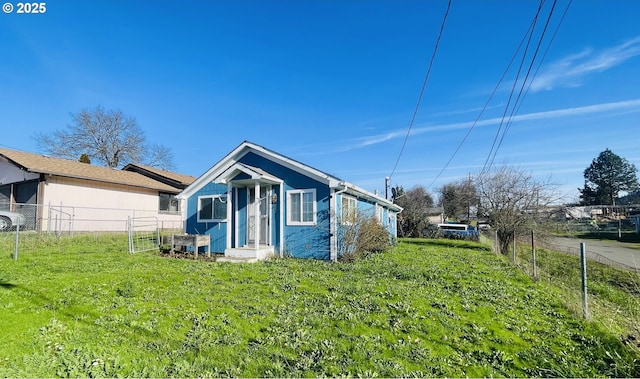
(183, 180)
(72, 169)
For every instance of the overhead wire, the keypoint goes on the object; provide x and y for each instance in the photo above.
(522, 91)
(544, 55)
(513, 88)
(486, 104)
(424, 84)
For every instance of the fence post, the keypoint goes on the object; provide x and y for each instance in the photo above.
(583, 265)
(15, 249)
(533, 253)
(619, 229)
(130, 234)
(514, 248)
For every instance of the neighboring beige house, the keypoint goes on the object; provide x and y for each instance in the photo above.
(59, 194)
(435, 215)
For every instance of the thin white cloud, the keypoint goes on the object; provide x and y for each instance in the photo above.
(630, 105)
(569, 71)
(375, 139)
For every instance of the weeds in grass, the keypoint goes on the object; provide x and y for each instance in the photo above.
(422, 309)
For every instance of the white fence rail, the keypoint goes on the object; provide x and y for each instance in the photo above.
(144, 234)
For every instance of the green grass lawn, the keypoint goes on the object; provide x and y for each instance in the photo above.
(427, 308)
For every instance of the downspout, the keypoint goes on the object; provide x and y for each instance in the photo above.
(229, 215)
(282, 218)
(333, 242)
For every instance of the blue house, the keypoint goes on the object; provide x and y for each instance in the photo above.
(255, 203)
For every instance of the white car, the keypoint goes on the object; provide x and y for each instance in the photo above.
(10, 219)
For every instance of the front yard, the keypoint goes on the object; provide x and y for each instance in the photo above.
(428, 308)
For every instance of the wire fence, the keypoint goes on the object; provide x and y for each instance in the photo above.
(603, 290)
(591, 255)
(25, 228)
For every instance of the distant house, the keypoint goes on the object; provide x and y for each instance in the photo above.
(256, 202)
(435, 215)
(84, 197)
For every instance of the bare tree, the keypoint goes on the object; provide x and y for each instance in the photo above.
(159, 156)
(514, 202)
(108, 137)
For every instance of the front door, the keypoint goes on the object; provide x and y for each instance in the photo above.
(258, 205)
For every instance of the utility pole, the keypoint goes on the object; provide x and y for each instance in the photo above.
(386, 188)
(469, 201)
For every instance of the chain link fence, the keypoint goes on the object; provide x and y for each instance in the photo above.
(26, 228)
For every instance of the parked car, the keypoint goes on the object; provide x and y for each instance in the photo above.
(9, 220)
(483, 226)
(458, 231)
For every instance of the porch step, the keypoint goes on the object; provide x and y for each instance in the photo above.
(264, 252)
(236, 259)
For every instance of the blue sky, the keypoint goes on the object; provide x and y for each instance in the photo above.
(334, 84)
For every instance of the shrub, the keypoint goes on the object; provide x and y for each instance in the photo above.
(362, 237)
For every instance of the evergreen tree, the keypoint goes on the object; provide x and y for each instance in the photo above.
(606, 177)
(84, 158)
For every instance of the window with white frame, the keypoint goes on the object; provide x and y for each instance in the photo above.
(212, 208)
(349, 209)
(301, 207)
(380, 214)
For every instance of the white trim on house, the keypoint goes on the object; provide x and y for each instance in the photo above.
(230, 215)
(281, 226)
(333, 228)
(227, 166)
(230, 161)
(253, 172)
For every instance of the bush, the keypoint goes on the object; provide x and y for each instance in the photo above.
(362, 237)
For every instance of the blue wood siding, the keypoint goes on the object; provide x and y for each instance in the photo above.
(299, 241)
(217, 230)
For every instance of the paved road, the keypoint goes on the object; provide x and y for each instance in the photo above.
(616, 251)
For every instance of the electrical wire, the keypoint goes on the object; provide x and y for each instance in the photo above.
(424, 84)
(486, 104)
(485, 166)
(518, 101)
(543, 56)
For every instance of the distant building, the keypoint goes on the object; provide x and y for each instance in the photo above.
(93, 198)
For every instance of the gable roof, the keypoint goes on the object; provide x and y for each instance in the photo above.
(173, 179)
(71, 169)
(247, 147)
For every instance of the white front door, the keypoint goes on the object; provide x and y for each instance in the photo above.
(258, 205)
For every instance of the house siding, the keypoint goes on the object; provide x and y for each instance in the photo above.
(116, 204)
(250, 165)
(218, 229)
(300, 241)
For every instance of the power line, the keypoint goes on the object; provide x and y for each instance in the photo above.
(513, 88)
(553, 37)
(518, 101)
(424, 84)
(486, 104)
